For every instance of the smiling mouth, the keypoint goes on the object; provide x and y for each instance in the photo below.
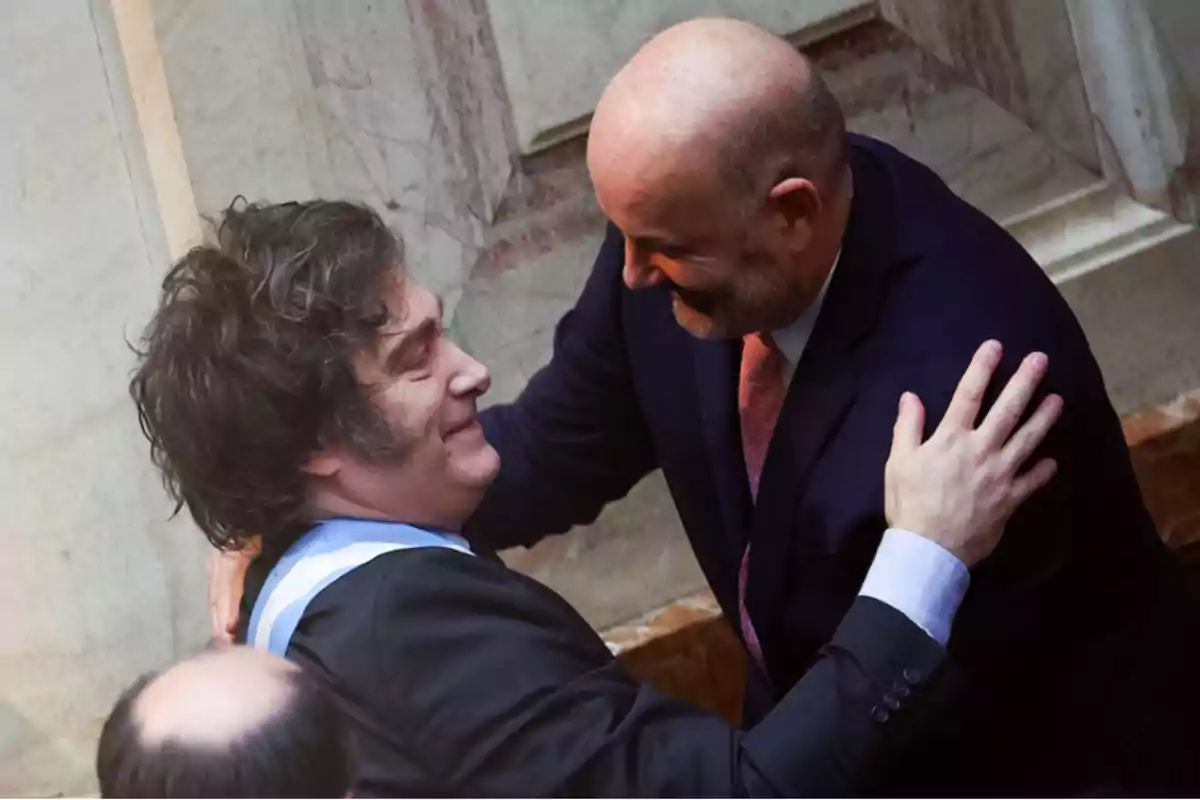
(462, 426)
(701, 304)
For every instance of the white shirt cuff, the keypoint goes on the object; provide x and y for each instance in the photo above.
(920, 579)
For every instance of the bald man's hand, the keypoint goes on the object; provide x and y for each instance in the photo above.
(226, 584)
(959, 488)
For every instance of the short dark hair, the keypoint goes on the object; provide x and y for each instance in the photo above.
(246, 369)
(302, 751)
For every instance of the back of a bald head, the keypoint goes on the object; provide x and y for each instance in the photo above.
(233, 722)
(216, 698)
(727, 92)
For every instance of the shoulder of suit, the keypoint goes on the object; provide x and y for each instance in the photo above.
(432, 579)
(406, 576)
(485, 586)
(427, 569)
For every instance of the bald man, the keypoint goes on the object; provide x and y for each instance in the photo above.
(768, 286)
(232, 722)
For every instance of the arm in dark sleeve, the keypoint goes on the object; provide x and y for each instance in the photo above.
(1036, 539)
(1085, 530)
(575, 439)
(507, 691)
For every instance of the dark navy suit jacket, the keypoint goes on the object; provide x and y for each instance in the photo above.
(1052, 621)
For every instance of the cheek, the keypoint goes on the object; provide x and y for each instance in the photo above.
(712, 275)
(765, 280)
(410, 408)
(771, 264)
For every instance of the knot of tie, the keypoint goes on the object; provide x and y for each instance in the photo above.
(760, 398)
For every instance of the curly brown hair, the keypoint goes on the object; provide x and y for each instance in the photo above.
(246, 368)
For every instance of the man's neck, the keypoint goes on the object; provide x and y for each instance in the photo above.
(793, 338)
(822, 252)
(828, 244)
(329, 505)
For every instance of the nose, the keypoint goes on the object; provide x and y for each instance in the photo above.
(471, 377)
(637, 273)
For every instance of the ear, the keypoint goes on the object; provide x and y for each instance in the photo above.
(797, 205)
(324, 464)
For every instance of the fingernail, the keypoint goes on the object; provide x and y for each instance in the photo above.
(993, 348)
(1038, 360)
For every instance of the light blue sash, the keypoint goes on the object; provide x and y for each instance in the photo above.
(320, 557)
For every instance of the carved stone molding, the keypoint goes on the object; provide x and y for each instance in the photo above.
(1143, 84)
(557, 57)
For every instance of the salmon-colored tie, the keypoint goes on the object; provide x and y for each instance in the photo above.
(760, 398)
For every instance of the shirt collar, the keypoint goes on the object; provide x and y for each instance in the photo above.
(794, 338)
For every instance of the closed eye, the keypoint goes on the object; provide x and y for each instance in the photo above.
(672, 252)
(414, 353)
(418, 359)
(648, 245)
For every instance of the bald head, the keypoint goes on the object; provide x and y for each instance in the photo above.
(215, 698)
(231, 722)
(722, 94)
(721, 156)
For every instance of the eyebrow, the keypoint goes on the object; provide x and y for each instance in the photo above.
(414, 337)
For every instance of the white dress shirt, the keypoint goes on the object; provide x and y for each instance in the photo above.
(913, 575)
(792, 340)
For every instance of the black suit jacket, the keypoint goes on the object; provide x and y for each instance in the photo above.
(923, 279)
(461, 677)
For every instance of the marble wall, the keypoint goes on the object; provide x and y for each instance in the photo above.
(1139, 64)
(1020, 54)
(557, 57)
(95, 584)
(390, 103)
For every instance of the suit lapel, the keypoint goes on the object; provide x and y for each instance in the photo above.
(703, 448)
(822, 392)
(815, 404)
(716, 364)
(812, 412)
